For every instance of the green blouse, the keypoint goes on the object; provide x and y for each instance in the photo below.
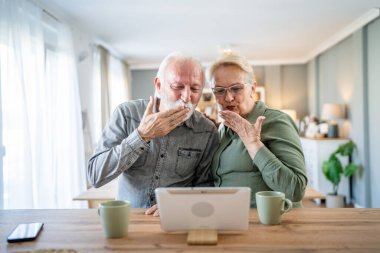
(279, 166)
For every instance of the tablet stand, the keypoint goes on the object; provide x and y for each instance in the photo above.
(202, 237)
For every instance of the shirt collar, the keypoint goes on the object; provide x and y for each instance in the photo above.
(190, 121)
(258, 110)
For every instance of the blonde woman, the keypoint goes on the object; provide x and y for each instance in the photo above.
(260, 147)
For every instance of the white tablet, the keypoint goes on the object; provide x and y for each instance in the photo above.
(224, 209)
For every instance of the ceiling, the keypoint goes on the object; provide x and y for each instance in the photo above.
(265, 31)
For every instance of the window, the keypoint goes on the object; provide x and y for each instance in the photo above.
(44, 161)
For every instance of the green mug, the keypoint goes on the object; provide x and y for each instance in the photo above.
(114, 216)
(271, 206)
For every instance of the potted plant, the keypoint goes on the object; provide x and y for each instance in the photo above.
(333, 171)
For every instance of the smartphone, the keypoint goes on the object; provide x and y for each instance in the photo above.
(25, 232)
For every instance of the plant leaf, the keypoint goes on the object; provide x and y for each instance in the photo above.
(350, 169)
(332, 169)
(346, 149)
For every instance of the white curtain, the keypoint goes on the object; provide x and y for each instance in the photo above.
(111, 78)
(44, 160)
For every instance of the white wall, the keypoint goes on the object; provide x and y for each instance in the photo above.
(1, 157)
(84, 64)
(83, 55)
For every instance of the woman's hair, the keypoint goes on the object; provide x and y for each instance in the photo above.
(173, 57)
(230, 60)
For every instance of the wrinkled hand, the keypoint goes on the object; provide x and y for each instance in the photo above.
(153, 211)
(154, 125)
(248, 133)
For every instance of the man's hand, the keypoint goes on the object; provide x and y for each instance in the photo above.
(154, 125)
(153, 210)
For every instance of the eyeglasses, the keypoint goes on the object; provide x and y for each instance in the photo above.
(234, 89)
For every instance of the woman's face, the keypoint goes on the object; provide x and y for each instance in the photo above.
(239, 98)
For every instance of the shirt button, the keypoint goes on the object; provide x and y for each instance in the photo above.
(142, 148)
(157, 177)
(162, 155)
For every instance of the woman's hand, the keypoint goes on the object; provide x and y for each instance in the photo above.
(250, 134)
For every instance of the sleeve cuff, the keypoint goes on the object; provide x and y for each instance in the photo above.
(263, 157)
(135, 143)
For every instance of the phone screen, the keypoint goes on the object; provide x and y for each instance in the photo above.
(25, 232)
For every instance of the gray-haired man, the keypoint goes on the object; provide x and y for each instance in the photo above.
(161, 142)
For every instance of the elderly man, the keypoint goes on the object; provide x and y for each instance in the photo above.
(161, 142)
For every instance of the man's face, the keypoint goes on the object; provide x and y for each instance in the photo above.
(182, 85)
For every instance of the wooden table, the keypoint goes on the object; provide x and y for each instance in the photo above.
(94, 196)
(311, 193)
(302, 230)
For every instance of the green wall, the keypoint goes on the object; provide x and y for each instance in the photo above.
(349, 73)
(294, 89)
(285, 86)
(143, 83)
(373, 104)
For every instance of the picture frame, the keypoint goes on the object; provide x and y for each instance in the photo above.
(259, 94)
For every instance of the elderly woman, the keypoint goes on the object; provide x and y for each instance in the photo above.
(260, 147)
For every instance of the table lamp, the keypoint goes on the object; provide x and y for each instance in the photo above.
(291, 113)
(331, 113)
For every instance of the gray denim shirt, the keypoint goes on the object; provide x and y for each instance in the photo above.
(180, 159)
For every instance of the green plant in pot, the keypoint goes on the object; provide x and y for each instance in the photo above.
(333, 171)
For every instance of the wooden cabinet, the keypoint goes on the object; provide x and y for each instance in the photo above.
(316, 151)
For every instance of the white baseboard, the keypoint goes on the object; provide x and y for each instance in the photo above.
(358, 206)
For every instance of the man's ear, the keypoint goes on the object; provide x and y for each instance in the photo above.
(157, 84)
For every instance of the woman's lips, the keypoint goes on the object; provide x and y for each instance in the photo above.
(230, 108)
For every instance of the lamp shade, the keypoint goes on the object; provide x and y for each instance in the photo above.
(291, 113)
(332, 112)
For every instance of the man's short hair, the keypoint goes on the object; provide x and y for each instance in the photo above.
(177, 56)
(231, 60)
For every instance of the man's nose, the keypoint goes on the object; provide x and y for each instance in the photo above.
(185, 95)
